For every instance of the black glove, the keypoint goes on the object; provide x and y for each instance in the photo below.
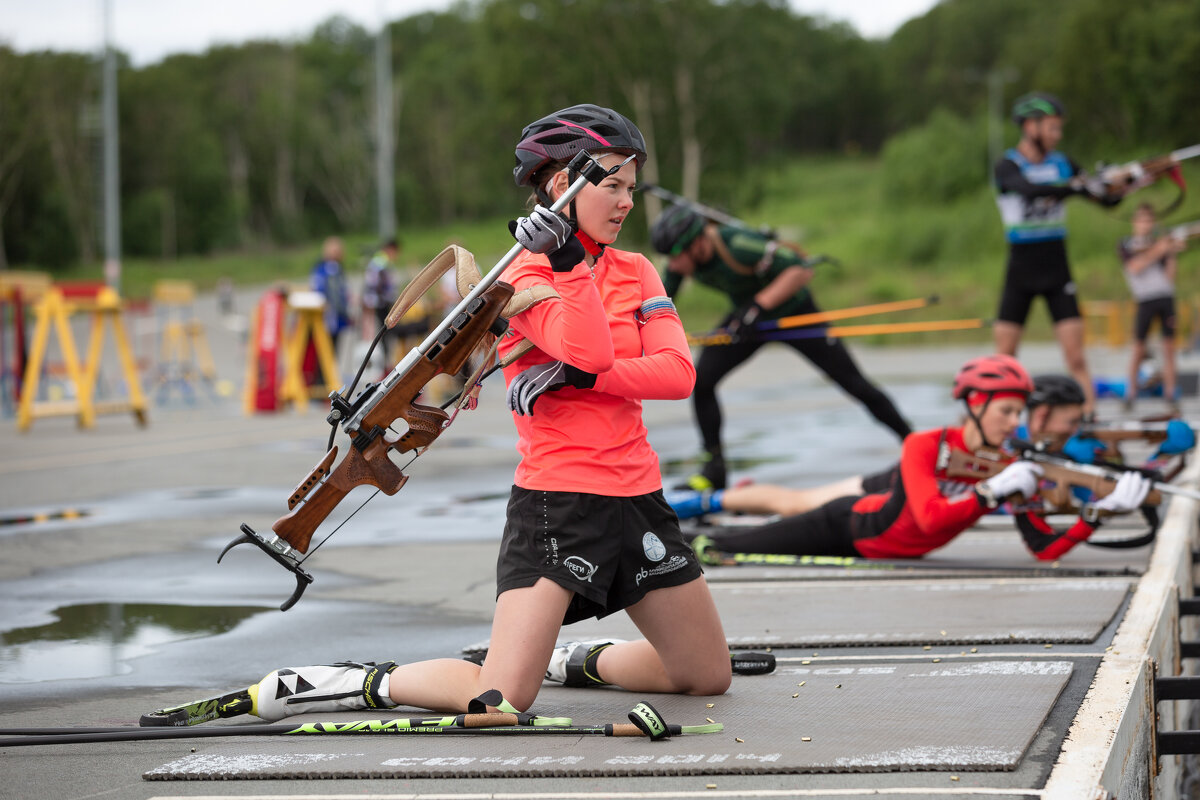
(741, 322)
(545, 231)
(535, 381)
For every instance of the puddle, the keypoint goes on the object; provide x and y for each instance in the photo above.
(99, 639)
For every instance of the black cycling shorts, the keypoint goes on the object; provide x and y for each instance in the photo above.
(1160, 308)
(1038, 269)
(880, 482)
(609, 551)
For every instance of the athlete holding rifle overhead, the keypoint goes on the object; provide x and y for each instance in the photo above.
(588, 532)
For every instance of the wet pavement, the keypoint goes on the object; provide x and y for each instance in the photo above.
(112, 604)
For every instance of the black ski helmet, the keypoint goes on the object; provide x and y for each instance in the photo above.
(562, 135)
(1055, 390)
(675, 229)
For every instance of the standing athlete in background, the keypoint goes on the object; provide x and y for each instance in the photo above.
(1032, 181)
(1150, 265)
(763, 280)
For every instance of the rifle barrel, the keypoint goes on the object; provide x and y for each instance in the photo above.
(1186, 153)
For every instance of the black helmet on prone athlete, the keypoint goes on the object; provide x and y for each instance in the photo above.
(1055, 390)
(675, 229)
(562, 135)
(1036, 105)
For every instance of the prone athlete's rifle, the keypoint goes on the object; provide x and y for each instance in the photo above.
(1118, 180)
(1151, 431)
(1059, 470)
(367, 418)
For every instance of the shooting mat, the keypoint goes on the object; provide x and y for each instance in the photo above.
(867, 716)
(890, 613)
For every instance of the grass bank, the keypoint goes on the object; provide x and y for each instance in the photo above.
(889, 251)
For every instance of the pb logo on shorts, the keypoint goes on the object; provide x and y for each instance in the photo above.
(653, 547)
(581, 569)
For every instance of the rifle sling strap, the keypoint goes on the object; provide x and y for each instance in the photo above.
(466, 277)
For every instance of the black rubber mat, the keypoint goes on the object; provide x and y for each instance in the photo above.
(991, 552)
(829, 614)
(868, 716)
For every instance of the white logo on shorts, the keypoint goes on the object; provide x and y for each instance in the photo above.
(581, 569)
(653, 546)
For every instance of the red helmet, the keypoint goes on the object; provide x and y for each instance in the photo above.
(991, 374)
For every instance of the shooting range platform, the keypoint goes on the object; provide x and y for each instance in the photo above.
(1041, 686)
(863, 716)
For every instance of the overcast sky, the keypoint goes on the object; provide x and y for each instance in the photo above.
(149, 30)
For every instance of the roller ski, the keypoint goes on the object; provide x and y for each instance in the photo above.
(345, 686)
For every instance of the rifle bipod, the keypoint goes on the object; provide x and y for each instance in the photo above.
(284, 555)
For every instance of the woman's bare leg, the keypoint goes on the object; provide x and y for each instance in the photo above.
(1135, 362)
(1069, 333)
(524, 630)
(767, 499)
(1168, 369)
(684, 650)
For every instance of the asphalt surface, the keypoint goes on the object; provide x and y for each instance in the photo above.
(120, 608)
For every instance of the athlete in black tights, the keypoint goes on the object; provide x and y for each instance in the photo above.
(764, 280)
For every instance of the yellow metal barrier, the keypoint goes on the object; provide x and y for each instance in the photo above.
(183, 346)
(1105, 321)
(52, 312)
(310, 325)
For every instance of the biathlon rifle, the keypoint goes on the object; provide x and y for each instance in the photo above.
(1118, 180)
(1185, 231)
(1152, 430)
(368, 417)
(1060, 472)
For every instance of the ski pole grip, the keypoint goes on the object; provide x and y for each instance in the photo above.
(489, 720)
(629, 729)
(622, 729)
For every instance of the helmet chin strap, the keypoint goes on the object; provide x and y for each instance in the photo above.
(978, 419)
(593, 248)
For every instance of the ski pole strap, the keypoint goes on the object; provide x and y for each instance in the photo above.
(492, 698)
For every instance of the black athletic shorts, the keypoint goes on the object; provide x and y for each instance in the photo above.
(1038, 269)
(1161, 308)
(880, 482)
(609, 551)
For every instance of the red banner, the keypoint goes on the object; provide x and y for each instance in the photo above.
(267, 342)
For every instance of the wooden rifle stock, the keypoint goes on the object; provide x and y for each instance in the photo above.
(984, 464)
(367, 461)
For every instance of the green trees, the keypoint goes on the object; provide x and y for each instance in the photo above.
(269, 142)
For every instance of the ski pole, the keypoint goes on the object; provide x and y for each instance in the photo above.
(30, 736)
(882, 328)
(798, 320)
(489, 720)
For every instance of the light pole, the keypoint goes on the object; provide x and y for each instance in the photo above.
(112, 166)
(385, 168)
